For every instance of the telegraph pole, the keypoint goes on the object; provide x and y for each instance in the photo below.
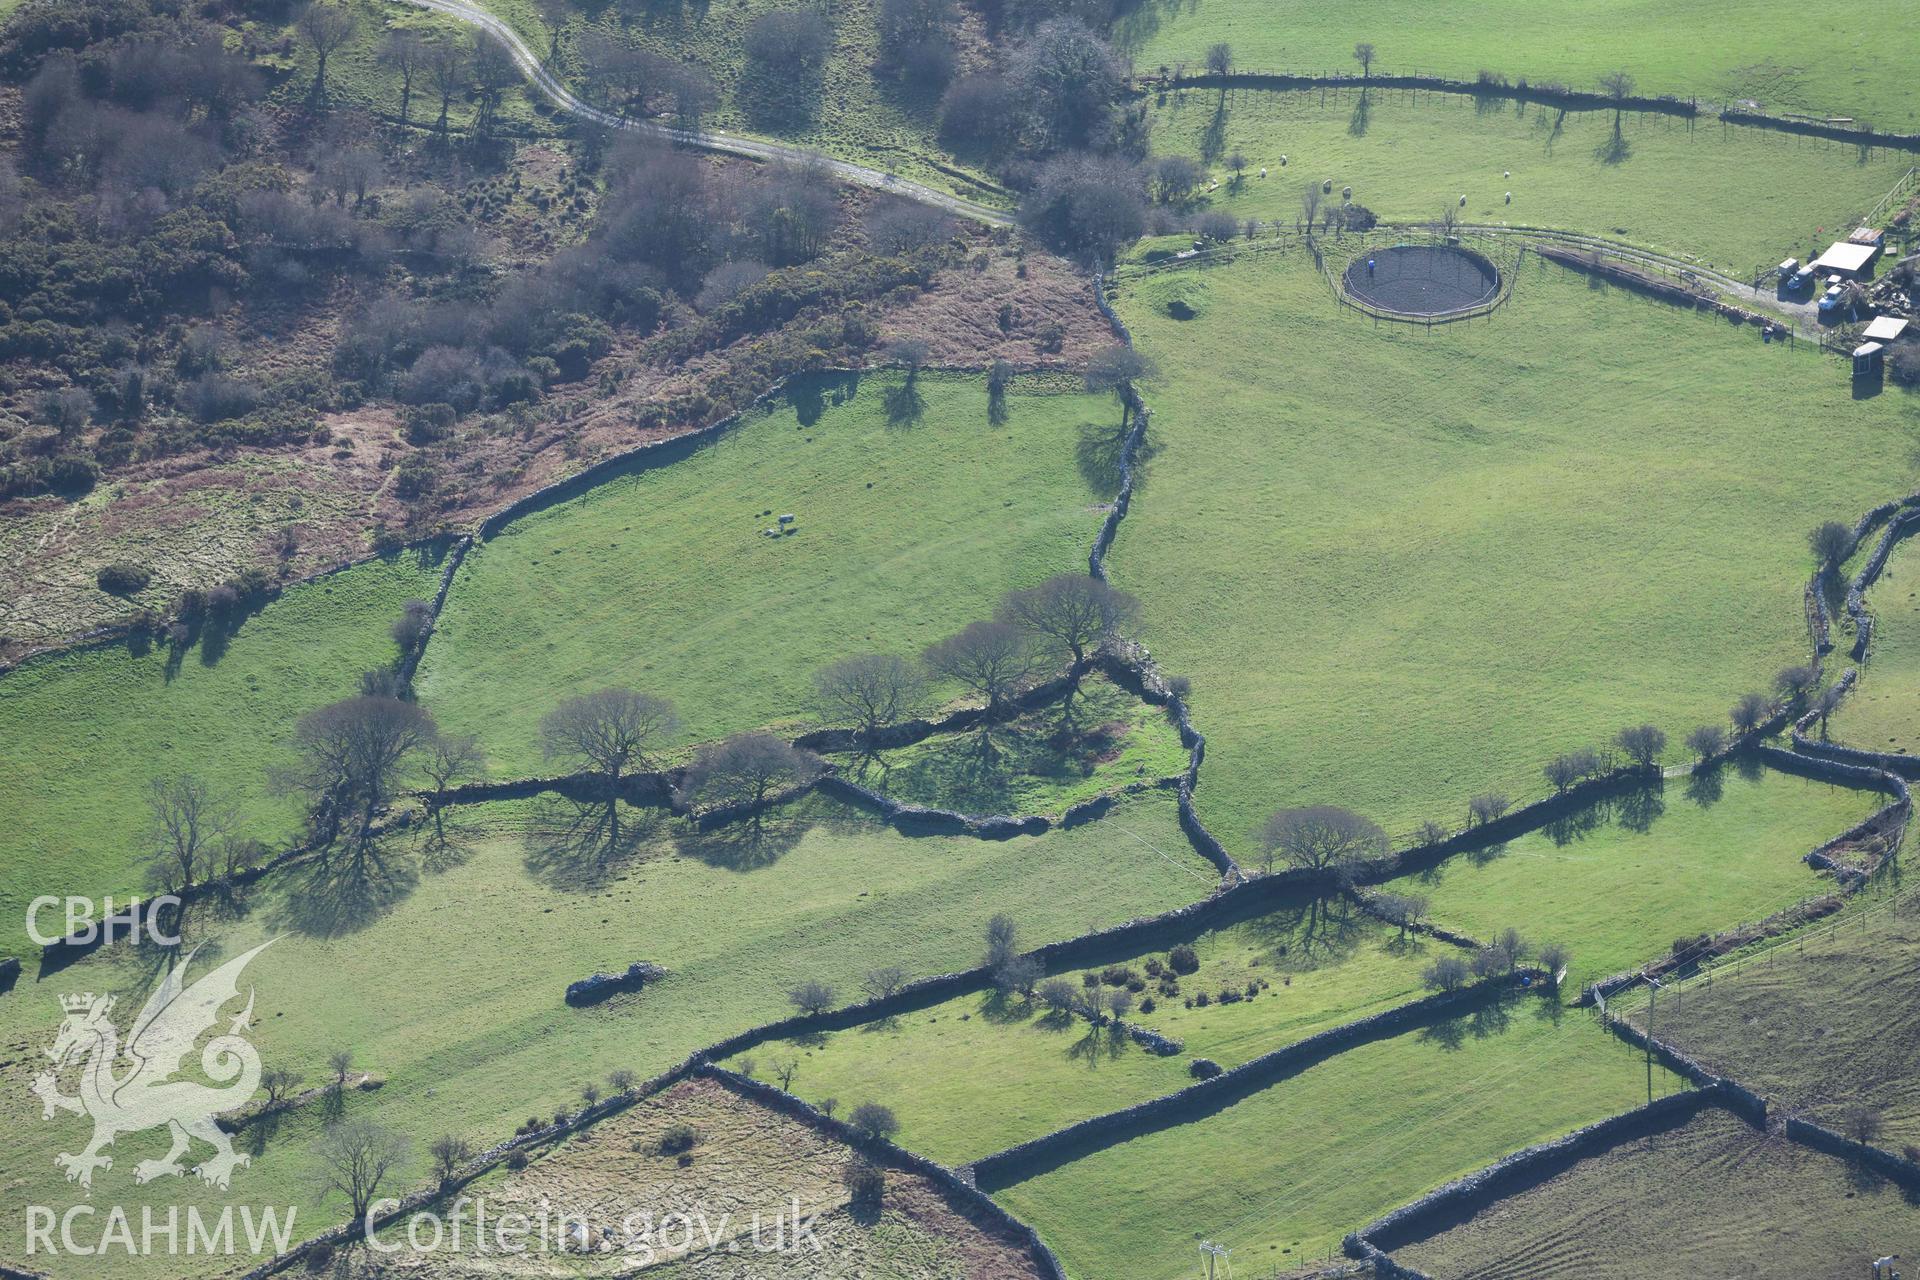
(1215, 1254)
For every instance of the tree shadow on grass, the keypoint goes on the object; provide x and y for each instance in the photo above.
(1100, 450)
(1099, 1044)
(1490, 1019)
(577, 846)
(1616, 149)
(1063, 745)
(1705, 786)
(1311, 932)
(1213, 141)
(905, 405)
(750, 844)
(347, 889)
(1362, 118)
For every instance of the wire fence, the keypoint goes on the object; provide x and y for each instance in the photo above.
(1884, 900)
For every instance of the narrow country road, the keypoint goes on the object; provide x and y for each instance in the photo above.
(705, 139)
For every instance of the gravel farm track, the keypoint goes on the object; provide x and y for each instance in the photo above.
(706, 139)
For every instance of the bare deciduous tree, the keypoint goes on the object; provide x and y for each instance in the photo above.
(744, 770)
(1219, 58)
(352, 755)
(1323, 838)
(339, 1064)
(356, 1157)
(883, 982)
(1113, 371)
(1076, 611)
(811, 996)
(992, 659)
(866, 693)
(448, 1153)
(325, 27)
(1448, 973)
(610, 732)
(1642, 743)
(187, 823)
(446, 67)
(1793, 682)
(1487, 806)
(1707, 741)
(1363, 54)
(449, 759)
(493, 72)
(1830, 543)
(1402, 909)
(405, 54)
(1751, 712)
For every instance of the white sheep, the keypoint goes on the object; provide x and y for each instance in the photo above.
(1507, 173)
(1263, 171)
(1463, 202)
(1509, 197)
(1283, 162)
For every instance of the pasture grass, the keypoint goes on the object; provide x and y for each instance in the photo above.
(1882, 712)
(1667, 183)
(1619, 882)
(1404, 566)
(1821, 1026)
(83, 732)
(1281, 1175)
(981, 1072)
(1853, 63)
(1713, 1197)
(444, 973)
(661, 577)
(1045, 761)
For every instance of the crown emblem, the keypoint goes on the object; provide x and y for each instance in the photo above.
(77, 1004)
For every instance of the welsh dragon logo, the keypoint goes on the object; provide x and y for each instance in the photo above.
(143, 1095)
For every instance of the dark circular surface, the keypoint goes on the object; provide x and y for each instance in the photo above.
(1422, 279)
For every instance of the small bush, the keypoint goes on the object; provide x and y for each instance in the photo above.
(1692, 945)
(874, 1120)
(1203, 1068)
(517, 1161)
(678, 1138)
(1183, 959)
(123, 579)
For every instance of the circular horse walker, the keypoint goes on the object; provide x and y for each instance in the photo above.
(1422, 282)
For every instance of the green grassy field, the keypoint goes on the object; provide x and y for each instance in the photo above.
(1402, 566)
(1852, 61)
(83, 732)
(1883, 711)
(1619, 883)
(977, 1074)
(851, 111)
(1042, 762)
(1685, 188)
(449, 983)
(1281, 1176)
(662, 579)
(1821, 1026)
(1711, 1198)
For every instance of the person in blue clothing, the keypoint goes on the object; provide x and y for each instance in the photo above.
(1369, 268)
